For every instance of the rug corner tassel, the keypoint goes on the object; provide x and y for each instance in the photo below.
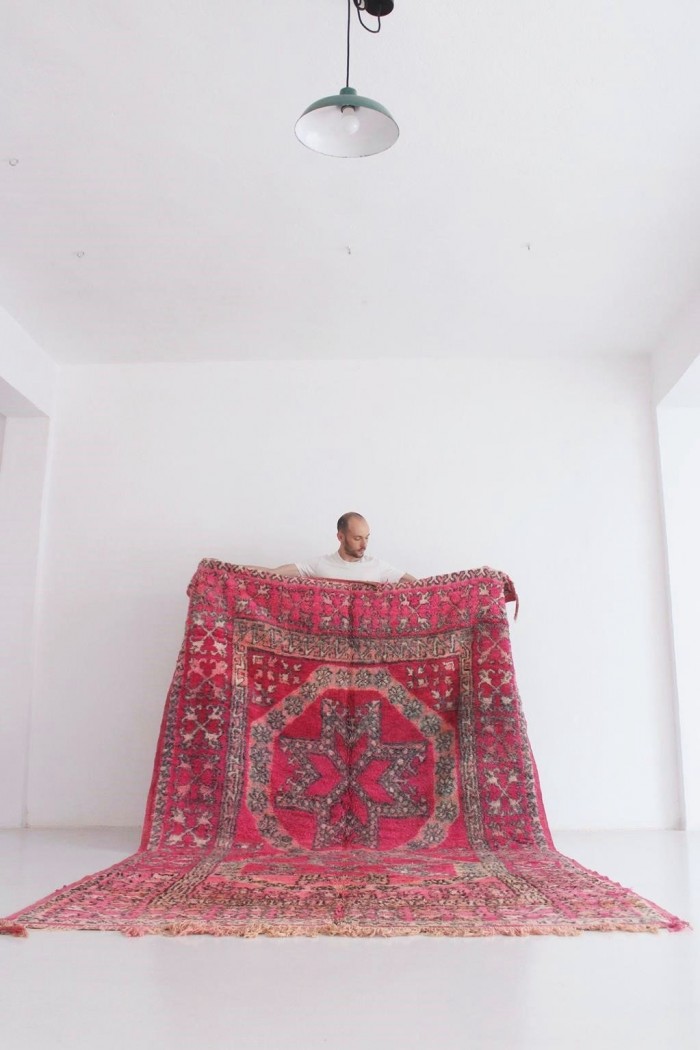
(13, 929)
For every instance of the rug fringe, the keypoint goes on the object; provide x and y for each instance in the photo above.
(13, 929)
(188, 929)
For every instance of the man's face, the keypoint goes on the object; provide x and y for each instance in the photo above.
(353, 542)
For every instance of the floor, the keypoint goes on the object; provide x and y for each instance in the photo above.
(104, 991)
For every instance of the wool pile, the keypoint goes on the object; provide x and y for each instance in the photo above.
(346, 759)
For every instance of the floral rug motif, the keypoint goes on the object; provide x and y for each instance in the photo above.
(347, 759)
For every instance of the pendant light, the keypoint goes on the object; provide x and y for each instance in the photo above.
(348, 124)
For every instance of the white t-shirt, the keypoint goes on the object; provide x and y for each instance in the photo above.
(367, 568)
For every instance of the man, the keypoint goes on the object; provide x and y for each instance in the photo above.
(350, 561)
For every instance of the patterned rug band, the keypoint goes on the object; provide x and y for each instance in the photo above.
(344, 759)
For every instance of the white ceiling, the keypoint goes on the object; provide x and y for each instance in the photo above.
(544, 195)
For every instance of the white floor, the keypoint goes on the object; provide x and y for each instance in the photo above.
(103, 991)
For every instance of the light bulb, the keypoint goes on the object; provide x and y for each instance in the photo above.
(350, 121)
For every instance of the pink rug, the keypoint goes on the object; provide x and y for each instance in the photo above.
(344, 759)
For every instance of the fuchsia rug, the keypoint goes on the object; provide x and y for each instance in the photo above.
(344, 759)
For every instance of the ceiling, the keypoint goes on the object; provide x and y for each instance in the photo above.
(543, 198)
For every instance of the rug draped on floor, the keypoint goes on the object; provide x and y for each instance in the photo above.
(346, 759)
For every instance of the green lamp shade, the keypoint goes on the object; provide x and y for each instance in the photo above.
(347, 125)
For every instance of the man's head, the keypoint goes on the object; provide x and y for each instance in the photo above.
(353, 535)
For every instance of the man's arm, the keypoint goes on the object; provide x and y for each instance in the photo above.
(406, 578)
(280, 570)
(287, 570)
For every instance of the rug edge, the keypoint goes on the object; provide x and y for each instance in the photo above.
(252, 930)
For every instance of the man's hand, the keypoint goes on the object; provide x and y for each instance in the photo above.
(287, 570)
(281, 570)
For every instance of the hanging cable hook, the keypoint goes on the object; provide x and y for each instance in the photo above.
(377, 8)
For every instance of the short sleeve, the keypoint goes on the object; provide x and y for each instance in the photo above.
(305, 568)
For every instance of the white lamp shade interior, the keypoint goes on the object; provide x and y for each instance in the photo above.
(345, 127)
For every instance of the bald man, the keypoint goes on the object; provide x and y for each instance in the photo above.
(350, 561)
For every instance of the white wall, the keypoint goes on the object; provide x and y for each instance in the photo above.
(676, 370)
(27, 379)
(679, 438)
(27, 374)
(677, 350)
(22, 472)
(544, 469)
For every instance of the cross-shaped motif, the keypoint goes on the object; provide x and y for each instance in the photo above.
(346, 769)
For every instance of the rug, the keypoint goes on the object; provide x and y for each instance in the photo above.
(348, 759)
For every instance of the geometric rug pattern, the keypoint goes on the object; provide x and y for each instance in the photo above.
(346, 759)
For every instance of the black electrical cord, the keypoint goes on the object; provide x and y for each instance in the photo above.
(359, 5)
(347, 66)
